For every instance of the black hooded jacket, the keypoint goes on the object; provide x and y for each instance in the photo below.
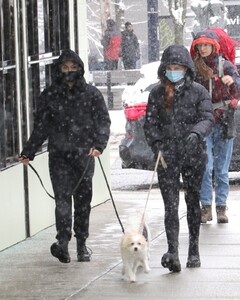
(130, 50)
(190, 112)
(71, 119)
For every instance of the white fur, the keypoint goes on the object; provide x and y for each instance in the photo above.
(134, 247)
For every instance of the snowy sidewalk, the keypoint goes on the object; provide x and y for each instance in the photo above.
(28, 271)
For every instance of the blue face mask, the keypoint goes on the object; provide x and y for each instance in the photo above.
(175, 76)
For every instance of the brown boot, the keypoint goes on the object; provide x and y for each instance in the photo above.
(206, 213)
(221, 214)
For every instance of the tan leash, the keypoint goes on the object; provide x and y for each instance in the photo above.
(164, 165)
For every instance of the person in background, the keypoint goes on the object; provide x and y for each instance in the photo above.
(93, 63)
(129, 49)
(111, 43)
(179, 116)
(224, 89)
(73, 116)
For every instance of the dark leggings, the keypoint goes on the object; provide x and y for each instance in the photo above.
(169, 183)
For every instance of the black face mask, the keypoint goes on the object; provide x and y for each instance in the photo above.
(71, 76)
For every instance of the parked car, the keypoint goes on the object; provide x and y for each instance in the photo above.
(138, 93)
(133, 149)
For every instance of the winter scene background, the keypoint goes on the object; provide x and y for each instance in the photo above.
(176, 21)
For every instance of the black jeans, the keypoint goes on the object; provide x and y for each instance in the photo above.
(66, 169)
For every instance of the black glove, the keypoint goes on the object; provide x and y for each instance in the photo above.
(192, 140)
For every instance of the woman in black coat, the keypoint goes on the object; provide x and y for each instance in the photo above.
(74, 118)
(179, 116)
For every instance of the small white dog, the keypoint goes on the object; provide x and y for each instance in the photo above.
(135, 247)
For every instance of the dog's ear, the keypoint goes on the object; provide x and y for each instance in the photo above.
(145, 232)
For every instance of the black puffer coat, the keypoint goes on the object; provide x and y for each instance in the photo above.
(71, 119)
(191, 111)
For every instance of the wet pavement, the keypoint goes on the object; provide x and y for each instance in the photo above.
(28, 271)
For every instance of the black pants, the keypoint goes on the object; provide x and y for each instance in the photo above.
(66, 169)
(110, 64)
(129, 64)
(169, 183)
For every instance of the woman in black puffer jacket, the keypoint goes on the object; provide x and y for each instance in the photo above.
(179, 116)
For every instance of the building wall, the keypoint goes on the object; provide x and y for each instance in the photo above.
(35, 33)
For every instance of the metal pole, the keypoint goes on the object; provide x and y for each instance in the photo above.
(24, 47)
(109, 92)
(153, 29)
(71, 25)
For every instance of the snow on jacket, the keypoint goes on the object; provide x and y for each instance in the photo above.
(71, 119)
(191, 111)
(111, 41)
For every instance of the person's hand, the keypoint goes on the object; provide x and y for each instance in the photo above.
(227, 79)
(233, 103)
(192, 140)
(94, 152)
(157, 150)
(24, 159)
(157, 146)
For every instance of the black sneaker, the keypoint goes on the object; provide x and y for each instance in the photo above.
(83, 253)
(60, 251)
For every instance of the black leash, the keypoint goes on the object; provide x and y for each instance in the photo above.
(34, 170)
(75, 188)
(83, 174)
(79, 181)
(105, 177)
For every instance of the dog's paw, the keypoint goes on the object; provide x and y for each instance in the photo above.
(147, 270)
(133, 279)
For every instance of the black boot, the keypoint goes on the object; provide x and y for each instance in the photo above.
(60, 251)
(194, 216)
(193, 260)
(171, 261)
(82, 251)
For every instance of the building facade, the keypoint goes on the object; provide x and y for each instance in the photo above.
(32, 36)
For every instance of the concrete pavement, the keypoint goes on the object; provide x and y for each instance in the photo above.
(28, 271)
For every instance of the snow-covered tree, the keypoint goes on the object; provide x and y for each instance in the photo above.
(178, 11)
(209, 13)
(98, 12)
